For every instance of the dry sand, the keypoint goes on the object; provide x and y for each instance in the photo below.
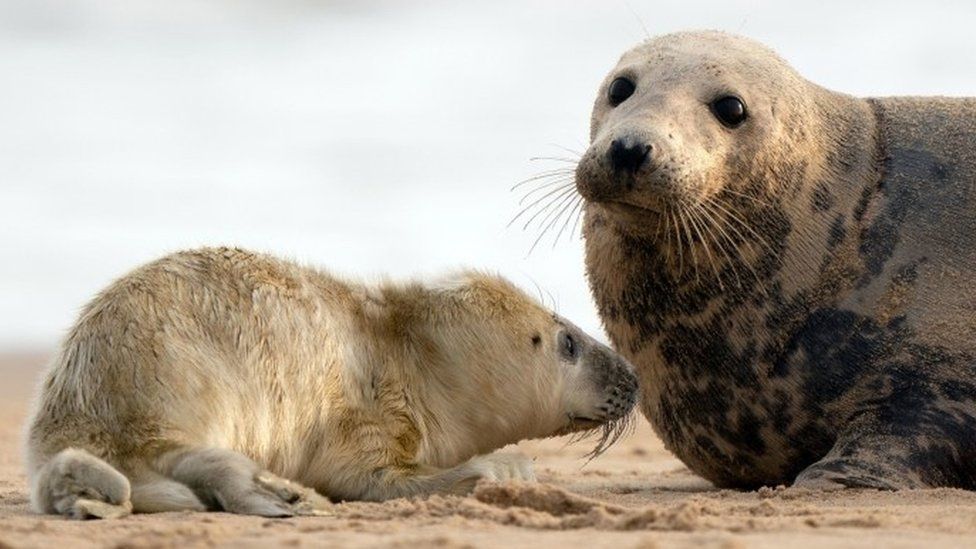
(636, 495)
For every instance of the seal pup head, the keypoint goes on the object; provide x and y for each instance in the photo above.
(515, 370)
(686, 123)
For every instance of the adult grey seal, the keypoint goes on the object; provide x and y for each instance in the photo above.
(224, 379)
(791, 270)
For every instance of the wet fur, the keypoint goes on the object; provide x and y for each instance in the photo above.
(834, 343)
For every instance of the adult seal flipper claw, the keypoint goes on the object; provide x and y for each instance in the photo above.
(866, 458)
(792, 270)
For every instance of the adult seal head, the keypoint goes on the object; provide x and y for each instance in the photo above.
(791, 270)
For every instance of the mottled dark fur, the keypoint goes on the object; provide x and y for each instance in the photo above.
(837, 347)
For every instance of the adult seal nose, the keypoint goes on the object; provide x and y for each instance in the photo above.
(628, 155)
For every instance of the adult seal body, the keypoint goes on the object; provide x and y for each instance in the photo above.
(791, 270)
(223, 379)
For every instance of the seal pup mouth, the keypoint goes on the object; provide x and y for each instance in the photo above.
(613, 419)
(606, 432)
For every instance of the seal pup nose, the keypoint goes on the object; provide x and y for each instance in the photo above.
(628, 155)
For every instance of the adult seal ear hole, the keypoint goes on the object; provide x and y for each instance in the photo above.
(792, 270)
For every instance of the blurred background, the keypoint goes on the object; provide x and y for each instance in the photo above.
(368, 137)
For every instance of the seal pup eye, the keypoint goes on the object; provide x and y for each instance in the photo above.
(730, 110)
(620, 89)
(568, 345)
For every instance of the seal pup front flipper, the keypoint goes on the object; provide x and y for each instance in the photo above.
(417, 480)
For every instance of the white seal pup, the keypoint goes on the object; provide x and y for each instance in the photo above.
(224, 379)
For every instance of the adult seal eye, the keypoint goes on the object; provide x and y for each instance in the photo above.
(568, 344)
(620, 89)
(730, 110)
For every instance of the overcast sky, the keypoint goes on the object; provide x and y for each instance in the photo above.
(369, 138)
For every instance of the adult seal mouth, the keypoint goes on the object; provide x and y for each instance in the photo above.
(629, 213)
(791, 270)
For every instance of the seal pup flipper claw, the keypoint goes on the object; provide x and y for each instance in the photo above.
(93, 508)
(303, 500)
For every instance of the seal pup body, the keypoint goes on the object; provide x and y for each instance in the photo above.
(791, 270)
(224, 379)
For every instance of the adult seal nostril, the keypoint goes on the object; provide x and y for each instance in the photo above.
(628, 155)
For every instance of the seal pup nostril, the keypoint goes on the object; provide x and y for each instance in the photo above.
(628, 155)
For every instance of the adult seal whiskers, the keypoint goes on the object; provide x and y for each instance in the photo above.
(791, 270)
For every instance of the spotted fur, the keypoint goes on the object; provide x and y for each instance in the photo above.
(831, 338)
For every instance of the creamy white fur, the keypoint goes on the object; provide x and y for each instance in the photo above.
(209, 377)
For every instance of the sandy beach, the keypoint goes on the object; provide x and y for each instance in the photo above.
(635, 495)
